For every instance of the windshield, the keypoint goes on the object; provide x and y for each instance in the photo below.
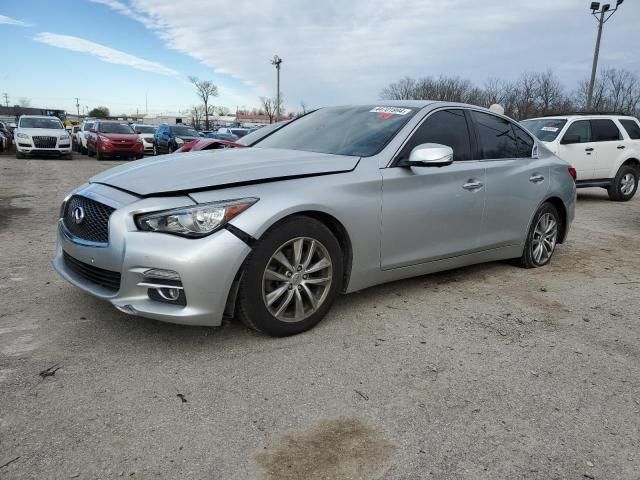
(115, 128)
(184, 131)
(87, 126)
(40, 123)
(145, 129)
(546, 129)
(353, 131)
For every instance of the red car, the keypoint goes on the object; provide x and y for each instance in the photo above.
(114, 139)
(207, 144)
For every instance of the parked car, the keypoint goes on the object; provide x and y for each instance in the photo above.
(42, 135)
(604, 149)
(111, 138)
(206, 144)
(336, 201)
(145, 133)
(169, 138)
(3, 142)
(238, 132)
(259, 133)
(7, 133)
(222, 136)
(82, 135)
(75, 141)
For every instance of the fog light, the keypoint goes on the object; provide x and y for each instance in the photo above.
(170, 294)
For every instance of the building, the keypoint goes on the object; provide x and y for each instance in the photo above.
(11, 114)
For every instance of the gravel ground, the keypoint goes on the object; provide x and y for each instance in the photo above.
(488, 372)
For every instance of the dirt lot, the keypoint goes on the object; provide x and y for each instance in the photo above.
(488, 372)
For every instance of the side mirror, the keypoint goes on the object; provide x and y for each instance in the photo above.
(570, 139)
(430, 155)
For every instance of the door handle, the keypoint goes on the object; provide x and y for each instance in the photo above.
(588, 149)
(472, 185)
(621, 147)
(536, 178)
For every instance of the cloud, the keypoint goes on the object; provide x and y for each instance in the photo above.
(102, 52)
(4, 20)
(338, 51)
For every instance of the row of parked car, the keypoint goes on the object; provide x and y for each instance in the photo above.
(118, 138)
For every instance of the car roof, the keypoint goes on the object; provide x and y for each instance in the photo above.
(38, 116)
(583, 116)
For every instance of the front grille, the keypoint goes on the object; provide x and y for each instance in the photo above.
(44, 142)
(94, 225)
(98, 276)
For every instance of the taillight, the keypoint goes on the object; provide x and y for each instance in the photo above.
(573, 173)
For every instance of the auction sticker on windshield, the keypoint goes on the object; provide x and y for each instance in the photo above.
(391, 110)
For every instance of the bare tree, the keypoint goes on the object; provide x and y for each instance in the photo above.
(24, 102)
(205, 89)
(303, 107)
(222, 111)
(197, 111)
(268, 105)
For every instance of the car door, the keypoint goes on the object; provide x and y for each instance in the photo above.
(92, 136)
(164, 140)
(430, 213)
(578, 149)
(610, 147)
(517, 180)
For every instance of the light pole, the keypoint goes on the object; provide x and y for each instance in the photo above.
(602, 15)
(277, 61)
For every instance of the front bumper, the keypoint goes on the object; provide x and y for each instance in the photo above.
(207, 266)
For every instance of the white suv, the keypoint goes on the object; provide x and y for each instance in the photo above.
(604, 149)
(37, 134)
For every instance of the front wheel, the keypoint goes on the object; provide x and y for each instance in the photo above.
(624, 185)
(542, 237)
(292, 278)
(19, 155)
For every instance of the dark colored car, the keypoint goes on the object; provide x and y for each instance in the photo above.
(113, 139)
(6, 131)
(169, 138)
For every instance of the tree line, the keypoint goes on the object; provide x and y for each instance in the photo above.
(532, 94)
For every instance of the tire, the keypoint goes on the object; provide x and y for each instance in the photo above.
(139, 157)
(532, 257)
(295, 287)
(625, 184)
(99, 155)
(155, 150)
(20, 155)
(84, 150)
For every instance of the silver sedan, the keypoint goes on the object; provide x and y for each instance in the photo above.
(337, 200)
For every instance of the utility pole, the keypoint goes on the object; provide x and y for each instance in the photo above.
(6, 99)
(602, 16)
(78, 107)
(277, 61)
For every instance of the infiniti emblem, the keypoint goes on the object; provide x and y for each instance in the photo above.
(78, 215)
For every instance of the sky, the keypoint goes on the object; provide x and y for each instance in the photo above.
(136, 55)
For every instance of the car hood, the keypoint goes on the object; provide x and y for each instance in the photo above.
(43, 132)
(185, 172)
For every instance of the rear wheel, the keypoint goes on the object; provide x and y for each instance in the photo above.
(625, 184)
(291, 279)
(542, 237)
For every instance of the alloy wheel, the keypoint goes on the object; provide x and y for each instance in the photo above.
(544, 239)
(627, 184)
(297, 279)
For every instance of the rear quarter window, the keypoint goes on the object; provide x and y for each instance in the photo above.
(604, 130)
(632, 128)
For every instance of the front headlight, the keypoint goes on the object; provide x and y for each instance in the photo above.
(179, 141)
(196, 221)
(22, 135)
(64, 137)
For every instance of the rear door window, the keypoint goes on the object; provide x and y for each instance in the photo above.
(496, 137)
(581, 128)
(632, 128)
(604, 130)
